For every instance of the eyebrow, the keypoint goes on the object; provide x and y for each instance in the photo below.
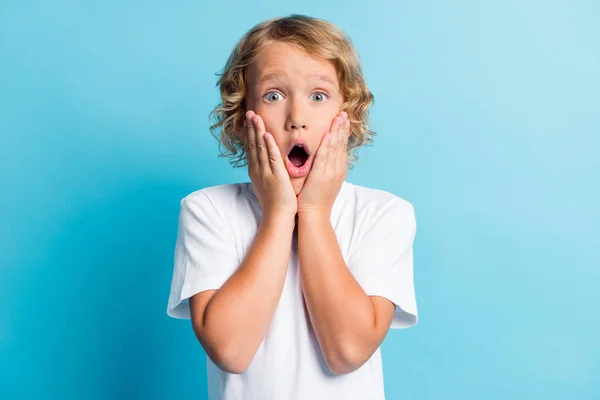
(274, 75)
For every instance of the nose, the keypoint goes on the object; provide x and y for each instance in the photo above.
(297, 125)
(296, 116)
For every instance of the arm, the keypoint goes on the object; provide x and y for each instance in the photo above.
(231, 322)
(348, 324)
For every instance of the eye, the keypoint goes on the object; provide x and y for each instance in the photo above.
(321, 94)
(272, 96)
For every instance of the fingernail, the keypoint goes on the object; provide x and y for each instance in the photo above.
(344, 115)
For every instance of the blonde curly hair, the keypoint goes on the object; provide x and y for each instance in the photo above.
(316, 37)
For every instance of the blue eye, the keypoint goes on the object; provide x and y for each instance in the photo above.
(271, 97)
(271, 94)
(321, 94)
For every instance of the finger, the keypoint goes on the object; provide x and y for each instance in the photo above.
(261, 145)
(334, 123)
(339, 147)
(250, 143)
(326, 143)
(334, 129)
(335, 146)
(343, 152)
(340, 129)
(342, 135)
(275, 159)
(320, 163)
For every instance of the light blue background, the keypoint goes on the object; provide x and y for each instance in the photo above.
(487, 121)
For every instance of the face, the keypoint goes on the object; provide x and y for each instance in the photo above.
(297, 96)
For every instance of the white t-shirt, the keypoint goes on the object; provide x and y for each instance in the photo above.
(375, 230)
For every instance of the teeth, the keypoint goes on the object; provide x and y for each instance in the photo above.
(300, 145)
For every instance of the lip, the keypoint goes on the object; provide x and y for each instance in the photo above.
(298, 172)
(301, 141)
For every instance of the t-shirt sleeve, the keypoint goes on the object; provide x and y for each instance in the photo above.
(205, 254)
(383, 260)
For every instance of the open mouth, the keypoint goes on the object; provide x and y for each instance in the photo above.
(298, 156)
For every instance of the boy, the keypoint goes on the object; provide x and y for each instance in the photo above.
(292, 280)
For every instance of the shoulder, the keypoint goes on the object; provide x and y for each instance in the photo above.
(381, 217)
(222, 195)
(219, 202)
(376, 203)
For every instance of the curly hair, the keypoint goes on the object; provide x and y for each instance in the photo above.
(314, 36)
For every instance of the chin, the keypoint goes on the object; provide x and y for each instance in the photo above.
(298, 184)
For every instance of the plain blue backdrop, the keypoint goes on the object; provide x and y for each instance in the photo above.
(486, 116)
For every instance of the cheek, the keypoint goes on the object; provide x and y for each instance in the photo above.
(280, 146)
(269, 119)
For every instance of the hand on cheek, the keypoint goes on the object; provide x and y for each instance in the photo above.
(328, 171)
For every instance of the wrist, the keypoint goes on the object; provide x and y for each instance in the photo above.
(314, 215)
(278, 218)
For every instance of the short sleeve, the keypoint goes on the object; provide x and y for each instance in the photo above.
(382, 263)
(205, 254)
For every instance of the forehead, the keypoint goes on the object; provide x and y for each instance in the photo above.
(281, 61)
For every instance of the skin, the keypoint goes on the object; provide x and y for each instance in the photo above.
(231, 322)
(296, 103)
(349, 325)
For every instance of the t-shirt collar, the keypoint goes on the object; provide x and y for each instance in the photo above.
(339, 200)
